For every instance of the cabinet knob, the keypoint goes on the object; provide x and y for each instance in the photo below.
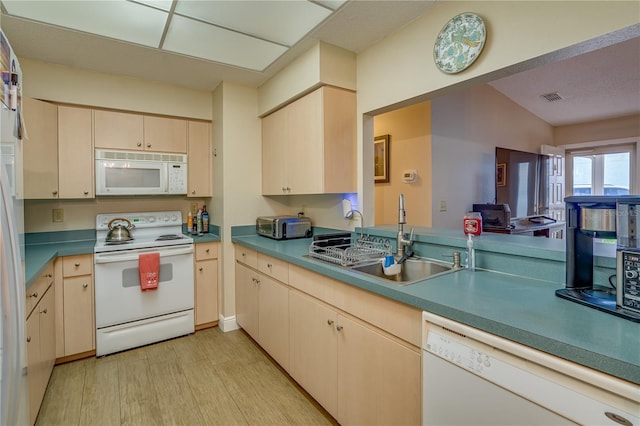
(339, 327)
(284, 189)
(85, 285)
(244, 254)
(207, 250)
(193, 192)
(44, 311)
(34, 294)
(28, 339)
(148, 145)
(86, 192)
(139, 144)
(329, 322)
(49, 275)
(269, 265)
(54, 192)
(288, 189)
(77, 264)
(200, 269)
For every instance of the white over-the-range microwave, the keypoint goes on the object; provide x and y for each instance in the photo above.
(140, 173)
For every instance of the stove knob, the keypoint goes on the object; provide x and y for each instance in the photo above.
(152, 219)
(166, 218)
(174, 218)
(631, 274)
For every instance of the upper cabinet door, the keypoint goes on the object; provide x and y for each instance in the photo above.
(118, 130)
(40, 162)
(75, 152)
(165, 134)
(275, 136)
(199, 159)
(309, 146)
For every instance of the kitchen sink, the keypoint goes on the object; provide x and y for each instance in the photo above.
(413, 270)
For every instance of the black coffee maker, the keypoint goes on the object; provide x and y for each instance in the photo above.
(594, 217)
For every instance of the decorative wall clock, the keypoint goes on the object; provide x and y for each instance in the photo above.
(459, 43)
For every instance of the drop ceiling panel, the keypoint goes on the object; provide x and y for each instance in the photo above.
(115, 19)
(205, 41)
(283, 22)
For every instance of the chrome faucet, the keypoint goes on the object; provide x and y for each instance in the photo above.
(404, 245)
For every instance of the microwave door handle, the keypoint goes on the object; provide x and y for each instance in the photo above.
(118, 257)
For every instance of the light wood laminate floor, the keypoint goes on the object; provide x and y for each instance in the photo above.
(207, 378)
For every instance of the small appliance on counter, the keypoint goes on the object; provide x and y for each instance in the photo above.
(593, 217)
(284, 227)
(494, 216)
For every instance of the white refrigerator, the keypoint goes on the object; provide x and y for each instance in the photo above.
(13, 358)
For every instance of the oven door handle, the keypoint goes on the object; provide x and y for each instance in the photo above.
(124, 257)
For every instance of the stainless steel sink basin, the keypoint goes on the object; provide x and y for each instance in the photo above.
(413, 270)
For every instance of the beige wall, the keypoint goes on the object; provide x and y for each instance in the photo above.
(605, 130)
(399, 70)
(322, 64)
(77, 86)
(410, 148)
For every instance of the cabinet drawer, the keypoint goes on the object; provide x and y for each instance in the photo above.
(38, 288)
(73, 266)
(247, 256)
(206, 251)
(275, 268)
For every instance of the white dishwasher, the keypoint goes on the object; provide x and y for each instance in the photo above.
(470, 377)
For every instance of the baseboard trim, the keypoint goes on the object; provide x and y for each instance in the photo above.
(228, 323)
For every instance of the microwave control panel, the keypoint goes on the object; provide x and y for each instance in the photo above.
(177, 178)
(629, 280)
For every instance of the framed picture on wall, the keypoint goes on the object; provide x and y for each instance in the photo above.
(381, 159)
(501, 174)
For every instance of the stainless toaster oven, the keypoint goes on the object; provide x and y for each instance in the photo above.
(284, 227)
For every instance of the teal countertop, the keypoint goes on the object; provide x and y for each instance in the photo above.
(518, 308)
(43, 247)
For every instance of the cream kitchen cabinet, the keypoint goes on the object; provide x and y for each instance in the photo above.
(309, 146)
(262, 303)
(357, 353)
(137, 132)
(206, 285)
(357, 373)
(41, 338)
(40, 155)
(58, 155)
(75, 153)
(75, 307)
(199, 152)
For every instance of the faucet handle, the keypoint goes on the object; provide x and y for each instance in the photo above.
(410, 242)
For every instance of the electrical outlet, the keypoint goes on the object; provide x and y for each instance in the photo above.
(57, 215)
(443, 206)
(194, 208)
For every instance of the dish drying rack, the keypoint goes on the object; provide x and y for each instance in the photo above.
(344, 251)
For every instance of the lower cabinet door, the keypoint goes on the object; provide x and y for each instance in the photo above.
(379, 378)
(79, 325)
(273, 319)
(206, 277)
(247, 300)
(314, 350)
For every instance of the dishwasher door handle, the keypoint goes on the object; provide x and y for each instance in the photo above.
(120, 257)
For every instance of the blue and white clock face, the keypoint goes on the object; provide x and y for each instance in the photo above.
(459, 43)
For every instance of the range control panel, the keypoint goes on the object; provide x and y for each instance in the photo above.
(628, 288)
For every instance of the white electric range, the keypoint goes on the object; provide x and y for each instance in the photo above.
(126, 316)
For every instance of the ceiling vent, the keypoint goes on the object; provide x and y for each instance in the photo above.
(552, 97)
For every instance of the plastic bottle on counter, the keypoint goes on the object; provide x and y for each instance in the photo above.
(199, 222)
(189, 222)
(205, 219)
